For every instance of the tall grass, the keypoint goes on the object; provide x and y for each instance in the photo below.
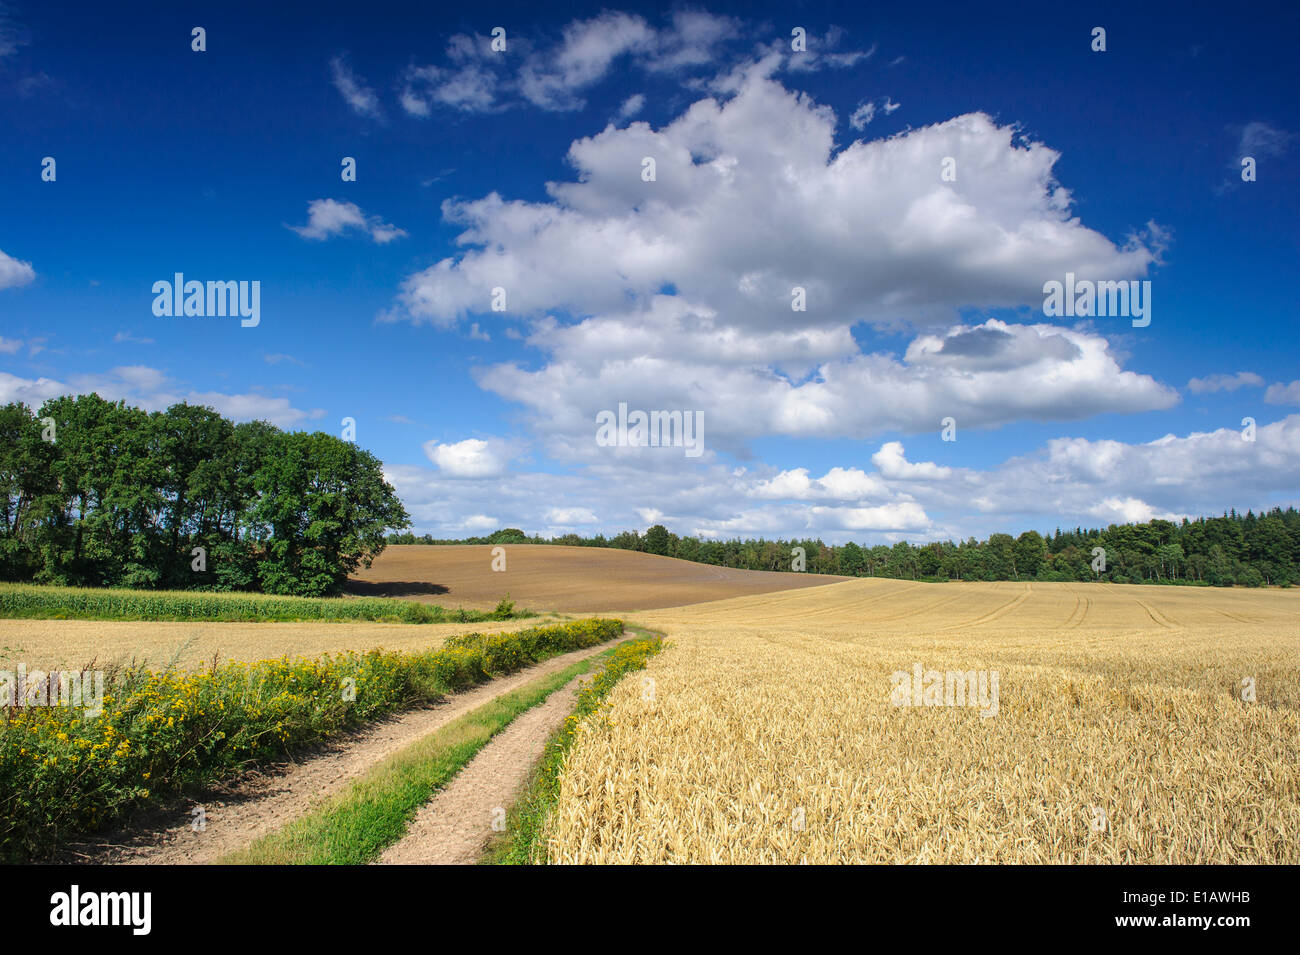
(31, 601)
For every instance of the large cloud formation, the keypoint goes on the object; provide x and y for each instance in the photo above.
(751, 199)
(677, 293)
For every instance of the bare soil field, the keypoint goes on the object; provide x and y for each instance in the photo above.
(569, 579)
(1129, 725)
(48, 644)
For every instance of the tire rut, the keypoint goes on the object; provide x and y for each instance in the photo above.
(992, 615)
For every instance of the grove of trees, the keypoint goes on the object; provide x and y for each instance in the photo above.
(98, 493)
(1249, 550)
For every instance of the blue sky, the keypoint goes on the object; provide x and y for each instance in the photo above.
(775, 167)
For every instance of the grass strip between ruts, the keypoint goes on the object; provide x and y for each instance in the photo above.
(355, 826)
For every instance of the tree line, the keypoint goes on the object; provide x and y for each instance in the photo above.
(99, 493)
(1248, 550)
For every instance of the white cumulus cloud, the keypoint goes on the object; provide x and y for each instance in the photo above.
(14, 272)
(470, 458)
(1280, 394)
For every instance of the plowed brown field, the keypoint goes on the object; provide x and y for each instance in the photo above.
(552, 577)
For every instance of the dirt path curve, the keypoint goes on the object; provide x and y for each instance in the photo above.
(257, 803)
(454, 826)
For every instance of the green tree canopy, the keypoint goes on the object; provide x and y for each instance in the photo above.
(99, 493)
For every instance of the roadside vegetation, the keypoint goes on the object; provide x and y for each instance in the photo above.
(35, 602)
(65, 771)
(354, 827)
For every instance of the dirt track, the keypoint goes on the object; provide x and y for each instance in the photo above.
(238, 813)
(455, 825)
(568, 579)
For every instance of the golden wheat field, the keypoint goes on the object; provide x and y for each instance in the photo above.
(768, 730)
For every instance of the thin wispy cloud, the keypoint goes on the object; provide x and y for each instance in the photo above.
(13, 34)
(153, 389)
(1257, 141)
(557, 74)
(363, 100)
(1215, 383)
(866, 111)
(278, 358)
(328, 218)
(128, 338)
(631, 106)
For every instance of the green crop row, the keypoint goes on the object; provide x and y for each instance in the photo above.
(83, 603)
